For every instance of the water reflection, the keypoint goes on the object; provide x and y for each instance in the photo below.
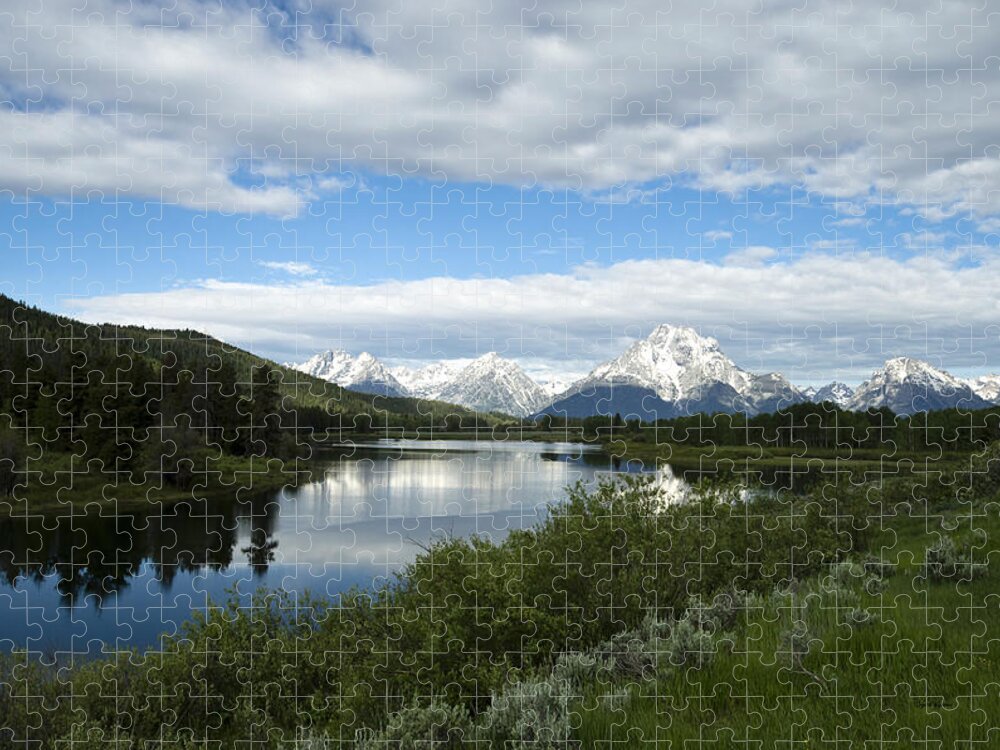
(71, 584)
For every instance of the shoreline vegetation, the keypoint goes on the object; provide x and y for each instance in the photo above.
(616, 617)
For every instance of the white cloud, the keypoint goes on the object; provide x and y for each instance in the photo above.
(717, 235)
(814, 317)
(65, 154)
(751, 257)
(294, 268)
(165, 104)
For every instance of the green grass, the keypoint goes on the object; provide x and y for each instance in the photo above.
(924, 675)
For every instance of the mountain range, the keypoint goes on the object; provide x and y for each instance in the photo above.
(672, 372)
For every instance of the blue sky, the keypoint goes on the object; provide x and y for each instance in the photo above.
(439, 182)
(389, 230)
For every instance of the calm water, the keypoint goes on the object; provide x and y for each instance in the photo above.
(77, 584)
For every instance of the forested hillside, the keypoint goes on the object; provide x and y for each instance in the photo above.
(169, 406)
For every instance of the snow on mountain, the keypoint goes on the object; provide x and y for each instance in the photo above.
(673, 361)
(492, 383)
(673, 371)
(770, 392)
(836, 392)
(907, 385)
(489, 383)
(428, 382)
(555, 386)
(364, 373)
(689, 371)
(987, 387)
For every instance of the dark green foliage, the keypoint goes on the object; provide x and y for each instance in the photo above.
(817, 427)
(462, 623)
(134, 406)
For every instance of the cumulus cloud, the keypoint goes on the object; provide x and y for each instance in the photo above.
(816, 317)
(197, 104)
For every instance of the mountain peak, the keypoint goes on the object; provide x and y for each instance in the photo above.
(675, 362)
(668, 334)
(906, 385)
(364, 373)
(492, 383)
(490, 358)
(907, 365)
(835, 391)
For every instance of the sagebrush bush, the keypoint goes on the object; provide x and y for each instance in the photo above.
(689, 643)
(944, 561)
(532, 714)
(878, 568)
(722, 613)
(423, 726)
(632, 654)
(580, 669)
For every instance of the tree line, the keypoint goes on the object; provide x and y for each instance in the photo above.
(822, 426)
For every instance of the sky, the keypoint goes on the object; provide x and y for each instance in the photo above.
(815, 184)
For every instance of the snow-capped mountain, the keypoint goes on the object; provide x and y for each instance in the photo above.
(674, 371)
(987, 387)
(364, 373)
(489, 383)
(836, 392)
(428, 382)
(907, 385)
(673, 361)
(492, 383)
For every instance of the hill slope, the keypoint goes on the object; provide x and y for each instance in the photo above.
(130, 406)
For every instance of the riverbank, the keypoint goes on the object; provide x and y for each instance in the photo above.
(593, 626)
(63, 482)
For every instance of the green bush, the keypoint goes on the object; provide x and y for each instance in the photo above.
(433, 726)
(580, 669)
(529, 714)
(944, 561)
(464, 620)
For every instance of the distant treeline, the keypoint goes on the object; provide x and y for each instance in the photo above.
(809, 425)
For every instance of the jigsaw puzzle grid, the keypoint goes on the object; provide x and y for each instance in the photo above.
(384, 375)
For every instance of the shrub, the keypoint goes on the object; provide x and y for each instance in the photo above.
(844, 574)
(529, 714)
(433, 726)
(579, 669)
(632, 654)
(944, 561)
(722, 613)
(878, 568)
(92, 736)
(794, 644)
(688, 642)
